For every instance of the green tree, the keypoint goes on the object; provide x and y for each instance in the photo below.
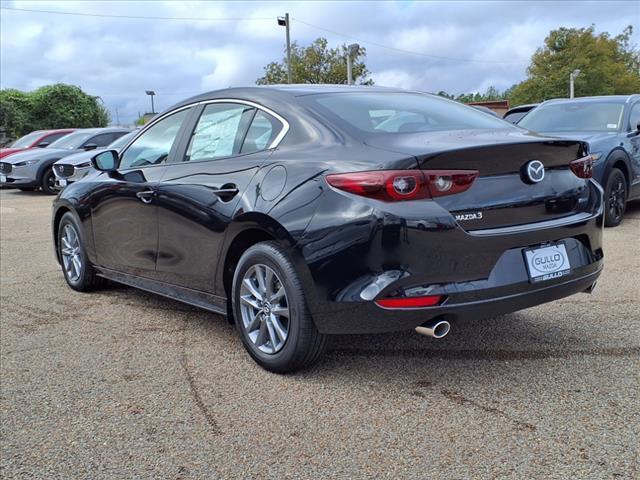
(67, 106)
(51, 106)
(317, 63)
(15, 112)
(608, 65)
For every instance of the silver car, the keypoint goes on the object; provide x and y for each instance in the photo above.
(34, 168)
(74, 167)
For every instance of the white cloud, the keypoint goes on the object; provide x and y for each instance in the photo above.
(119, 59)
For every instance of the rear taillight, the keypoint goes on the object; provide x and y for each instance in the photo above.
(410, 302)
(582, 167)
(398, 185)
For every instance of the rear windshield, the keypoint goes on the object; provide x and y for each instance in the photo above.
(390, 113)
(574, 117)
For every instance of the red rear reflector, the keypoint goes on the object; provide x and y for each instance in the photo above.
(582, 167)
(409, 302)
(397, 185)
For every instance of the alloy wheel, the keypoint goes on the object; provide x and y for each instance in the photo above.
(71, 253)
(617, 199)
(264, 309)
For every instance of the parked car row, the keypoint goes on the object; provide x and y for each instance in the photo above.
(31, 167)
(606, 123)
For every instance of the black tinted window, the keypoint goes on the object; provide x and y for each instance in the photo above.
(514, 117)
(101, 140)
(263, 130)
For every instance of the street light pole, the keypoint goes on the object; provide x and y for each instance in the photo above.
(284, 22)
(572, 78)
(151, 93)
(352, 51)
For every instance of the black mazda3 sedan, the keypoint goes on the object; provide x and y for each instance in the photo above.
(305, 211)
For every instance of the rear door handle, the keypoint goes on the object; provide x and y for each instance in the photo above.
(146, 196)
(227, 192)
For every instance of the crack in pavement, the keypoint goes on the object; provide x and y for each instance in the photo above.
(462, 400)
(193, 388)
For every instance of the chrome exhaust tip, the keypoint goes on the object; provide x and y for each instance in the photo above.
(591, 288)
(434, 328)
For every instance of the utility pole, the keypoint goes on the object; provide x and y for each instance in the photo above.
(117, 116)
(284, 22)
(352, 52)
(572, 78)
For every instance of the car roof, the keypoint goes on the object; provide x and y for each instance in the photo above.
(595, 99)
(103, 130)
(261, 93)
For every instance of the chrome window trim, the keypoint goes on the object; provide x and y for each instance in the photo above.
(276, 141)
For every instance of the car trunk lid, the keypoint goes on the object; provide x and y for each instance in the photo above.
(504, 194)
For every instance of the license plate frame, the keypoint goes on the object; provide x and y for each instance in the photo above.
(62, 182)
(547, 262)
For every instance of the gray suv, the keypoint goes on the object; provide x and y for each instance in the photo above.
(74, 167)
(33, 169)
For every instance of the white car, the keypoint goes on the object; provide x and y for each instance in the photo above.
(74, 167)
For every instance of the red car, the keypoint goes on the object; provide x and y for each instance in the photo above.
(37, 139)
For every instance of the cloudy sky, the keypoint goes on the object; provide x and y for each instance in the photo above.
(454, 46)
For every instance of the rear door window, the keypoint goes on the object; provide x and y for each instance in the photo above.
(219, 131)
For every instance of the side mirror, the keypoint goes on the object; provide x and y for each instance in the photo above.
(106, 161)
(636, 132)
(90, 146)
(43, 144)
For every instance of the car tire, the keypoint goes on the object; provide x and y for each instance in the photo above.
(76, 267)
(279, 343)
(48, 182)
(615, 196)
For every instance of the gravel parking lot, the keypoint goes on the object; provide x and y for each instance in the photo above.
(124, 384)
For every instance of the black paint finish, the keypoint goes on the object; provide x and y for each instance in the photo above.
(184, 242)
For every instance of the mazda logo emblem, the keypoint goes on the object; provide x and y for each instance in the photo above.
(534, 171)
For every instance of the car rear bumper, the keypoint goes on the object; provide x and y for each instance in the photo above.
(478, 273)
(367, 317)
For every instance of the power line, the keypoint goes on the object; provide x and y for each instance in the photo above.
(136, 17)
(238, 19)
(400, 50)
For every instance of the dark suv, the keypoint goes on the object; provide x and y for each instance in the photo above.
(611, 127)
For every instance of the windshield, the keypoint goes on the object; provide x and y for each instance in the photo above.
(389, 113)
(574, 117)
(122, 141)
(27, 140)
(71, 141)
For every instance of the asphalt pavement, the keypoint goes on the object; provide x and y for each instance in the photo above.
(125, 384)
